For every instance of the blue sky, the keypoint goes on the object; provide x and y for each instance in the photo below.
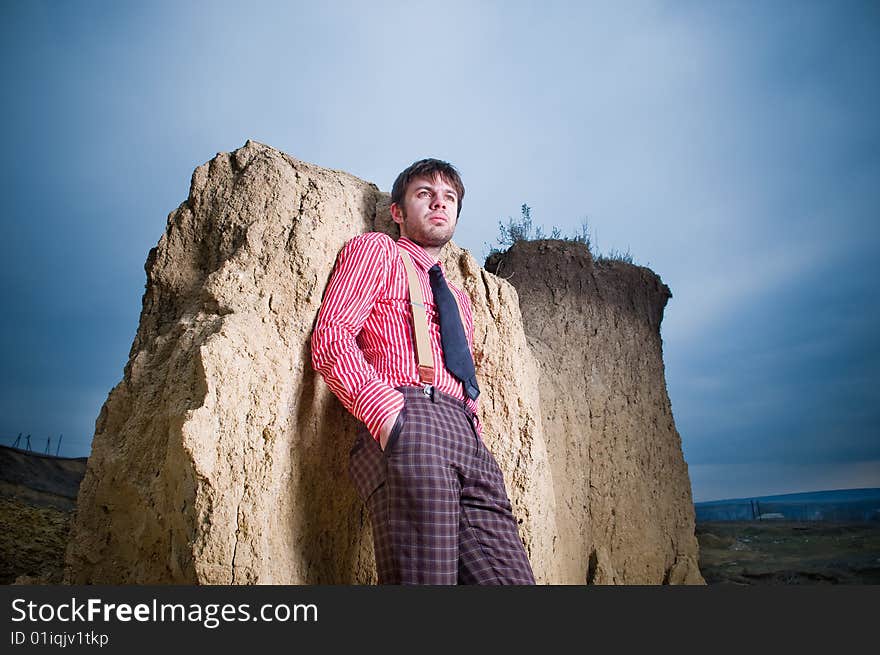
(731, 147)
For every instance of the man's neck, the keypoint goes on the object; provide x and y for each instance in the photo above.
(433, 252)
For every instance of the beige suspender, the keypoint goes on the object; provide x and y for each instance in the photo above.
(420, 320)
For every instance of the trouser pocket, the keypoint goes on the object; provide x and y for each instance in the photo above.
(395, 430)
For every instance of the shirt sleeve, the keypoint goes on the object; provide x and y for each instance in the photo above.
(357, 282)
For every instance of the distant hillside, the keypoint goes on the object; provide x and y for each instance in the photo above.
(40, 480)
(831, 505)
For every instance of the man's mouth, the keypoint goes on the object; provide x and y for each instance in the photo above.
(438, 217)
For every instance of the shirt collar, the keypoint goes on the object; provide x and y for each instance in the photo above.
(418, 254)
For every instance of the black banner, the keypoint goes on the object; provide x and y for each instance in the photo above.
(126, 618)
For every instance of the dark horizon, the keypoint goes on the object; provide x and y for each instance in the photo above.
(869, 492)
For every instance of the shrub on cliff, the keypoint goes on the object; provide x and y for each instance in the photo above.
(524, 230)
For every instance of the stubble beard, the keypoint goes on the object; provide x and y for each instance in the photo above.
(426, 238)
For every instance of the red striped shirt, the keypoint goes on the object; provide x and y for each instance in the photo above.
(363, 342)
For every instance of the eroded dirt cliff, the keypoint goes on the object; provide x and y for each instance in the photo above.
(624, 510)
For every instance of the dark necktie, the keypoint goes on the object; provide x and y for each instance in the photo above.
(456, 353)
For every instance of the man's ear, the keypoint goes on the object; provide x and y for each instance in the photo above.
(396, 214)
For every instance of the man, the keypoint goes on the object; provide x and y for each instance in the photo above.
(439, 510)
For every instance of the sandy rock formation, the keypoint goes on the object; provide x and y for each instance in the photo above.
(624, 509)
(220, 458)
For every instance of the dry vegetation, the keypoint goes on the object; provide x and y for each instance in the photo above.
(32, 542)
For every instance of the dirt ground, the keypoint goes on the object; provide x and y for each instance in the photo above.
(32, 542)
(777, 552)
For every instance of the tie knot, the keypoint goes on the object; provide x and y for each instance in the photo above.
(435, 271)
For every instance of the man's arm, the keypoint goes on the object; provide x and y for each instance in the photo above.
(358, 278)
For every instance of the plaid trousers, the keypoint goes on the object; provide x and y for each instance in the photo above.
(438, 506)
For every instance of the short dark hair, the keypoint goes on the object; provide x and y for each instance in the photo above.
(429, 168)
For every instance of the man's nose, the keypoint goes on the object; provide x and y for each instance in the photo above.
(438, 203)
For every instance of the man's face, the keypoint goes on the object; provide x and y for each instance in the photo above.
(429, 212)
